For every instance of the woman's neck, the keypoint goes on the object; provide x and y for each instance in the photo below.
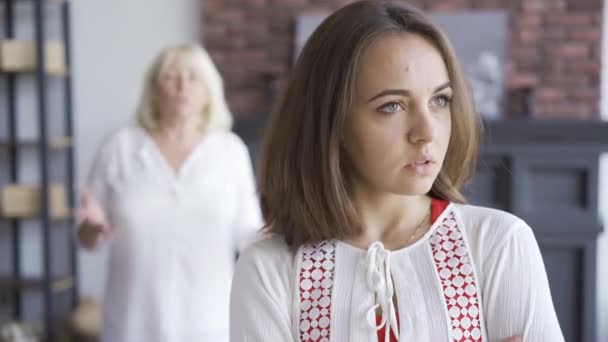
(390, 218)
(181, 131)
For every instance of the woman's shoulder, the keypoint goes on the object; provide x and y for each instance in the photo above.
(120, 141)
(269, 254)
(227, 140)
(124, 137)
(228, 147)
(489, 233)
(478, 216)
(488, 229)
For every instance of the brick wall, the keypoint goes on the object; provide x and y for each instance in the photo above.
(554, 47)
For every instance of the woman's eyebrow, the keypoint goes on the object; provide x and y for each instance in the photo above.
(405, 92)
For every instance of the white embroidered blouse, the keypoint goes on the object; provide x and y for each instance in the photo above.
(476, 275)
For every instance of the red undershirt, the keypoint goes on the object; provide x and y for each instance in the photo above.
(437, 207)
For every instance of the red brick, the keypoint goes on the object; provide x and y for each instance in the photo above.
(257, 42)
(231, 15)
(490, 4)
(542, 6)
(584, 94)
(224, 43)
(281, 25)
(570, 19)
(530, 52)
(568, 50)
(529, 36)
(247, 101)
(564, 109)
(522, 81)
(249, 29)
(281, 55)
(566, 115)
(554, 65)
(290, 3)
(274, 68)
(249, 4)
(549, 94)
(238, 77)
(596, 52)
(245, 58)
(214, 31)
(571, 79)
(342, 3)
(553, 45)
(593, 34)
(573, 109)
(577, 5)
(217, 56)
(595, 79)
(533, 6)
(256, 14)
(212, 5)
(583, 66)
(509, 66)
(555, 33)
(529, 20)
(598, 17)
(453, 5)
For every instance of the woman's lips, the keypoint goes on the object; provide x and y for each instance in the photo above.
(421, 167)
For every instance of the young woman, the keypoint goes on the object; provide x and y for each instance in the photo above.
(175, 197)
(359, 180)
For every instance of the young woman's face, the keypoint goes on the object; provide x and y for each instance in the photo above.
(181, 90)
(397, 133)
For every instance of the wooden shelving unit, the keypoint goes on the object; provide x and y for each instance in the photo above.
(49, 203)
(19, 201)
(59, 284)
(53, 144)
(20, 57)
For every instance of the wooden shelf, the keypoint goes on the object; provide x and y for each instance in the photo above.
(19, 201)
(32, 61)
(20, 57)
(60, 284)
(54, 143)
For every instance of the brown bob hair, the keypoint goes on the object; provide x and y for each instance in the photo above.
(302, 174)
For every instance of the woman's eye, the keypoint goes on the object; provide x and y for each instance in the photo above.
(168, 76)
(390, 107)
(441, 101)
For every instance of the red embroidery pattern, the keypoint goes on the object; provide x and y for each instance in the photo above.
(316, 280)
(457, 279)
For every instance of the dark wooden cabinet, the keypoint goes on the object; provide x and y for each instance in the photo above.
(547, 172)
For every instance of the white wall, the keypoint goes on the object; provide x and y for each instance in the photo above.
(113, 42)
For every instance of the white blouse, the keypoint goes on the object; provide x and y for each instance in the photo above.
(175, 235)
(476, 275)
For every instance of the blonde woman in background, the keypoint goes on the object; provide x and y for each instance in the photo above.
(174, 196)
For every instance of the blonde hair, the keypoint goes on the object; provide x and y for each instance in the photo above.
(216, 115)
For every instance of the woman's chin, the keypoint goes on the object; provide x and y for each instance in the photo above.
(181, 113)
(416, 188)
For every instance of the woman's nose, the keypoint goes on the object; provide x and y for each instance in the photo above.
(422, 129)
(180, 82)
